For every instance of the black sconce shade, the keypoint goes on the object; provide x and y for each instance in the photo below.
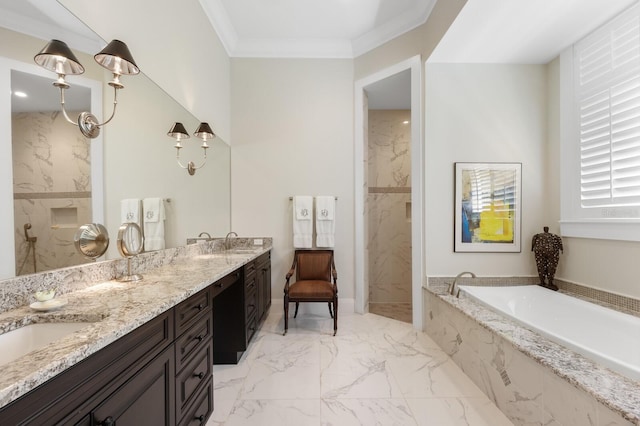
(117, 58)
(57, 57)
(178, 130)
(204, 132)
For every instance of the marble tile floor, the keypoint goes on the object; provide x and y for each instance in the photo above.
(375, 371)
(398, 311)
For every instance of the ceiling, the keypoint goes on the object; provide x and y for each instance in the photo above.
(312, 28)
(519, 31)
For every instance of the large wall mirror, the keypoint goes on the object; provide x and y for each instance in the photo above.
(53, 180)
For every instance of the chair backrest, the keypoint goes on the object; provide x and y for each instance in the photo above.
(313, 264)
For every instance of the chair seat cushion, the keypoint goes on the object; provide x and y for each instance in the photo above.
(311, 290)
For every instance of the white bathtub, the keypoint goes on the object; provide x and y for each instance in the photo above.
(608, 337)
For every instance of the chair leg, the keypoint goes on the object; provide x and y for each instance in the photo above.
(296, 313)
(335, 316)
(286, 315)
(330, 313)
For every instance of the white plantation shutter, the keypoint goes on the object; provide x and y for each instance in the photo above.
(607, 93)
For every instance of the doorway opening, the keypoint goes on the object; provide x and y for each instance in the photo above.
(389, 213)
(389, 196)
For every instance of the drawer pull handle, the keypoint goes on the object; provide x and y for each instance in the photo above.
(219, 284)
(108, 422)
(199, 307)
(200, 418)
(199, 338)
(200, 375)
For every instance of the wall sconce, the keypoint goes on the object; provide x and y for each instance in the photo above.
(178, 132)
(57, 57)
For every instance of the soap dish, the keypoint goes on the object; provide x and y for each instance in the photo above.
(48, 305)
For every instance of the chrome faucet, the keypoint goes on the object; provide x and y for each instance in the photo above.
(204, 233)
(452, 286)
(226, 240)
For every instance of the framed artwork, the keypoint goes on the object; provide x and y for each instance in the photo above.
(488, 205)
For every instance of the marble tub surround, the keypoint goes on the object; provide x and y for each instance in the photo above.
(113, 309)
(532, 380)
(18, 291)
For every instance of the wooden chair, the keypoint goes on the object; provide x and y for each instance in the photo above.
(314, 270)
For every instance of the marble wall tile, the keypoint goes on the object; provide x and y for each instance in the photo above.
(54, 246)
(389, 228)
(49, 157)
(389, 154)
(564, 404)
(49, 154)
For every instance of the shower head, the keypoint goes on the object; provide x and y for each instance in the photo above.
(29, 239)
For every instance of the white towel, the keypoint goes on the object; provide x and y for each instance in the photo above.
(130, 210)
(153, 211)
(325, 221)
(302, 223)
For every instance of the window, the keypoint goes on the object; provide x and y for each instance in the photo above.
(601, 143)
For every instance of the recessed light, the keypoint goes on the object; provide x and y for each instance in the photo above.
(405, 122)
(20, 94)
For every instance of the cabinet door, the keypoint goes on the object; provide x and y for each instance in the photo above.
(145, 399)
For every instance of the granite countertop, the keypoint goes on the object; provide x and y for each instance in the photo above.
(111, 310)
(619, 393)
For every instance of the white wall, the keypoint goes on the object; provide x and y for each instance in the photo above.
(292, 125)
(483, 113)
(140, 162)
(175, 45)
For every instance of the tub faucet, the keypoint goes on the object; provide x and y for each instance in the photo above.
(452, 286)
(227, 240)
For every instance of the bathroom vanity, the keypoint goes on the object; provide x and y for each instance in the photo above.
(158, 372)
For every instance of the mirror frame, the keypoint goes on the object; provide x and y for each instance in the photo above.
(7, 226)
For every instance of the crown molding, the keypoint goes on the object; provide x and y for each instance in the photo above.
(310, 48)
(399, 25)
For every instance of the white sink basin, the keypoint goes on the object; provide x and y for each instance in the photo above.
(21, 341)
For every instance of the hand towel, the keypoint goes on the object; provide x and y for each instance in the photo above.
(153, 212)
(130, 210)
(302, 223)
(325, 221)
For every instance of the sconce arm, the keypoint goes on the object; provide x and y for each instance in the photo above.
(64, 111)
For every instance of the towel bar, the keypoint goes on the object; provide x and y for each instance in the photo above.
(291, 198)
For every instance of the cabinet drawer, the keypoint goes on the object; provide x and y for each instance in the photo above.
(225, 282)
(250, 283)
(194, 376)
(142, 400)
(252, 325)
(263, 259)
(250, 305)
(193, 340)
(202, 408)
(249, 268)
(188, 311)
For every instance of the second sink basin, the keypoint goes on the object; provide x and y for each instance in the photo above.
(19, 342)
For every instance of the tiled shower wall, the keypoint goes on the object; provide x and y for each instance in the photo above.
(389, 206)
(51, 187)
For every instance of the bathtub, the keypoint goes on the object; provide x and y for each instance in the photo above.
(608, 337)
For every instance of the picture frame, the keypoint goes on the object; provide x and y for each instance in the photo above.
(488, 207)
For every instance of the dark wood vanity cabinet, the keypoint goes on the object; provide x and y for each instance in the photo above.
(162, 372)
(263, 273)
(239, 310)
(159, 374)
